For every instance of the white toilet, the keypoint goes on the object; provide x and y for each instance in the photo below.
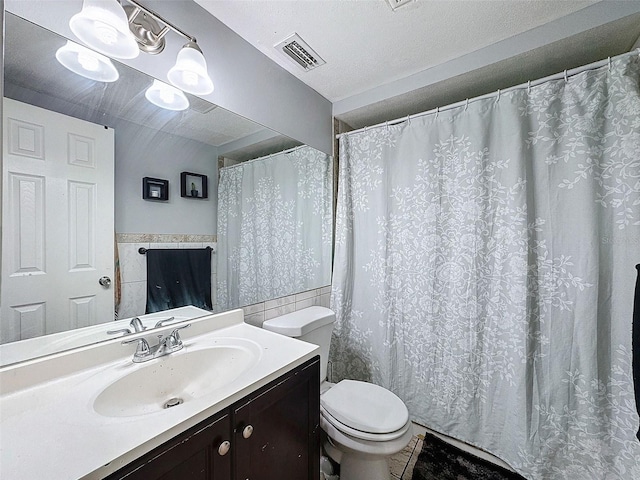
(364, 423)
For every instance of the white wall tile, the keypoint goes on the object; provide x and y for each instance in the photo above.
(214, 290)
(278, 311)
(279, 302)
(164, 245)
(190, 245)
(308, 302)
(214, 263)
(255, 319)
(326, 289)
(325, 300)
(305, 295)
(134, 299)
(133, 265)
(251, 309)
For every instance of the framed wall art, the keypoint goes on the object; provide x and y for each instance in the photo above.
(193, 185)
(155, 189)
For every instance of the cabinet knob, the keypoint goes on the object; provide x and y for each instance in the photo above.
(248, 430)
(224, 448)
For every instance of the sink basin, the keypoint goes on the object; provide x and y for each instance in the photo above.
(176, 378)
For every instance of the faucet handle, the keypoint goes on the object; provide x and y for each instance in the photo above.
(160, 323)
(142, 349)
(126, 331)
(175, 333)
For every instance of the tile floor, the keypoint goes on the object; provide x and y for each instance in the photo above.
(401, 464)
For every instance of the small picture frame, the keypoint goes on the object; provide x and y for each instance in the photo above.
(155, 189)
(193, 185)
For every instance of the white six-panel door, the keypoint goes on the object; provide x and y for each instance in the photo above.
(57, 222)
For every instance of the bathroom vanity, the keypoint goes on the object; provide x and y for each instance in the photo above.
(272, 433)
(248, 408)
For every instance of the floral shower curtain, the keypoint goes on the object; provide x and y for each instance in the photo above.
(274, 227)
(484, 271)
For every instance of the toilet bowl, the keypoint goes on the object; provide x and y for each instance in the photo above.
(364, 423)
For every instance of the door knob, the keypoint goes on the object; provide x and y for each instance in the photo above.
(105, 282)
(224, 447)
(248, 430)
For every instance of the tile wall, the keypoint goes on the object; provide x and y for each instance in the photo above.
(258, 313)
(133, 270)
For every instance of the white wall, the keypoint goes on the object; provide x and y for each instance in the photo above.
(246, 81)
(144, 152)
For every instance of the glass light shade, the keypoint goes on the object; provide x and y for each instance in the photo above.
(190, 71)
(103, 25)
(166, 96)
(87, 63)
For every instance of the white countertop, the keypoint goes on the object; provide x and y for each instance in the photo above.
(49, 429)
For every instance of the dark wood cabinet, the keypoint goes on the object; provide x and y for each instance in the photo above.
(197, 454)
(276, 429)
(273, 433)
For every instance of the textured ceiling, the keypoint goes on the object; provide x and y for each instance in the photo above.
(366, 44)
(590, 46)
(384, 64)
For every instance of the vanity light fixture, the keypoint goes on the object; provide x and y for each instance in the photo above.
(190, 71)
(104, 26)
(112, 29)
(167, 97)
(86, 62)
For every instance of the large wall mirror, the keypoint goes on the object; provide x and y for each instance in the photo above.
(96, 227)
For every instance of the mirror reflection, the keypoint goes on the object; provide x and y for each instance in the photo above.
(97, 171)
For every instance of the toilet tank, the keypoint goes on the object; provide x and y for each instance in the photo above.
(313, 325)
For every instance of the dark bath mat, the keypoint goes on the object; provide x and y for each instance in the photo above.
(439, 460)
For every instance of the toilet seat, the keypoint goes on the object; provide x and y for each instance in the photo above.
(364, 410)
(327, 420)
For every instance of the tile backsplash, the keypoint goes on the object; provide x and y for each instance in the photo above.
(133, 271)
(258, 313)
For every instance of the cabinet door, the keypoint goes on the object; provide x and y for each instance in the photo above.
(194, 455)
(277, 429)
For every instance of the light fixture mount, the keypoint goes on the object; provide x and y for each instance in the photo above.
(146, 30)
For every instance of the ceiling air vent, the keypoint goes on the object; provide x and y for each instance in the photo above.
(302, 54)
(398, 3)
(199, 105)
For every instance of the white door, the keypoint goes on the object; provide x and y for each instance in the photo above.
(57, 222)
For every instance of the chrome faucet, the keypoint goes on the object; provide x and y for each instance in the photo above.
(166, 345)
(137, 325)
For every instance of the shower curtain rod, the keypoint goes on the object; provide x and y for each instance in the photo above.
(557, 76)
(283, 152)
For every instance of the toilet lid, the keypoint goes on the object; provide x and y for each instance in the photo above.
(365, 407)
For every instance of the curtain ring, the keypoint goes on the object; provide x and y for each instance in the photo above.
(386, 124)
(408, 119)
(437, 111)
(529, 86)
(609, 60)
(566, 79)
(466, 104)
(498, 96)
